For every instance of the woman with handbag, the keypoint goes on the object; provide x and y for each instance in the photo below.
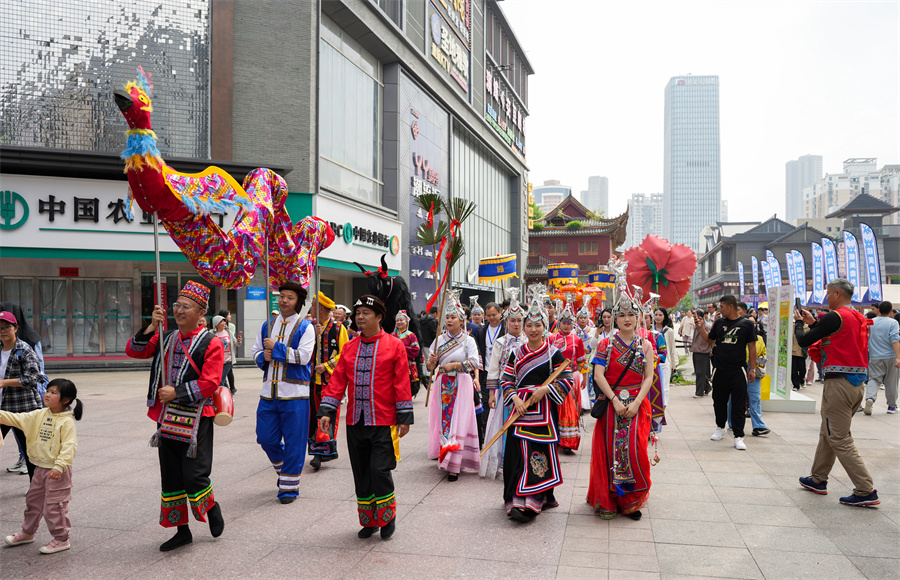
(620, 466)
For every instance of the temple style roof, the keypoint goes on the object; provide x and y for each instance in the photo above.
(863, 203)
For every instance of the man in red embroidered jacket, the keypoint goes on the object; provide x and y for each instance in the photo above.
(374, 367)
(182, 383)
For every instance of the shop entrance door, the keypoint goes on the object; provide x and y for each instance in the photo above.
(53, 327)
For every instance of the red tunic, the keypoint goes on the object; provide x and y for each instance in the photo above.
(210, 372)
(377, 372)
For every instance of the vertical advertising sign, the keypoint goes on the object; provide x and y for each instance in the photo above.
(799, 275)
(851, 249)
(754, 263)
(818, 289)
(873, 270)
(780, 340)
(777, 279)
(449, 44)
(741, 290)
(792, 272)
(423, 165)
(831, 261)
(767, 275)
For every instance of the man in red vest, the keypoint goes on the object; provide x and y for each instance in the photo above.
(844, 336)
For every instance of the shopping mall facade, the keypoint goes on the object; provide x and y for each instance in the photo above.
(358, 104)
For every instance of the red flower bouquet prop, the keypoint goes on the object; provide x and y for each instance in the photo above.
(661, 268)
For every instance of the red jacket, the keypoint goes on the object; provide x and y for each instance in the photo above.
(376, 371)
(210, 371)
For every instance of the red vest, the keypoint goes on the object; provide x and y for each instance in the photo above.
(847, 350)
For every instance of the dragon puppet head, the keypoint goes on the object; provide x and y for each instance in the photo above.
(134, 101)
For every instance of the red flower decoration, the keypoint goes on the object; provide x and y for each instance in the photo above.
(662, 268)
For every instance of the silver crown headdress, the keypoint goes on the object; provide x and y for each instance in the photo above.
(452, 305)
(536, 311)
(625, 300)
(515, 309)
(564, 309)
(474, 307)
(585, 311)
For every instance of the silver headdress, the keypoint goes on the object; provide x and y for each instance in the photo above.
(536, 311)
(452, 305)
(474, 307)
(585, 311)
(515, 309)
(626, 300)
(564, 311)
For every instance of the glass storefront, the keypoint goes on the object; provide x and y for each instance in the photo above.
(75, 317)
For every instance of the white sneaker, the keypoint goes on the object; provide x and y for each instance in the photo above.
(717, 434)
(739, 444)
(18, 466)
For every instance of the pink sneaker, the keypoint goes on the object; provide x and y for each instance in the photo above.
(19, 538)
(55, 546)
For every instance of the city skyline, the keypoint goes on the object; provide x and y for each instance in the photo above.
(770, 113)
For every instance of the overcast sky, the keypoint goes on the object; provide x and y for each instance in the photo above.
(795, 78)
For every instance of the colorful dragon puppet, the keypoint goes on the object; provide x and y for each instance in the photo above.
(183, 202)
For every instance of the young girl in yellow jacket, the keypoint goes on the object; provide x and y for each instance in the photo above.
(51, 443)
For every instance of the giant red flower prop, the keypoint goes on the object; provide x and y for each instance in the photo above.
(662, 268)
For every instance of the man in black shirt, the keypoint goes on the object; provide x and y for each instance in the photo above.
(733, 335)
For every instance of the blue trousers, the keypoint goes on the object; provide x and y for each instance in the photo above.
(282, 429)
(754, 400)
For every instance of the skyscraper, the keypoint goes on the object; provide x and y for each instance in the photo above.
(723, 210)
(645, 217)
(799, 173)
(597, 196)
(691, 176)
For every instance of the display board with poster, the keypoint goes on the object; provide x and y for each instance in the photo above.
(780, 342)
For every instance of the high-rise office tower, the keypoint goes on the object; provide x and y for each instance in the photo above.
(597, 197)
(799, 173)
(691, 176)
(723, 210)
(645, 216)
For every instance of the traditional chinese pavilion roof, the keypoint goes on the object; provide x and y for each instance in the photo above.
(863, 203)
(570, 209)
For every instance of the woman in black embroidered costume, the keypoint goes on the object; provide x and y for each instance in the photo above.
(530, 460)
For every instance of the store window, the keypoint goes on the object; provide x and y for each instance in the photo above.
(587, 248)
(350, 94)
(559, 248)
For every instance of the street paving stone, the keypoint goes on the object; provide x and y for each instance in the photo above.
(713, 512)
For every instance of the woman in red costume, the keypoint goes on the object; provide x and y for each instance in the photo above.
(572, 349)
(620, 465)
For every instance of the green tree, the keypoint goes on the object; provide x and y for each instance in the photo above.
(598, 214)
(573, 225)
(537, 211)
(685, 303)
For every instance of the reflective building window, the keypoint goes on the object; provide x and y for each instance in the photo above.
(61, 62)
(349, 116)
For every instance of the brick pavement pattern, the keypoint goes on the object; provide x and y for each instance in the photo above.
(713, 511)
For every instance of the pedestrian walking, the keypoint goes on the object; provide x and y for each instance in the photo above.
(283, 350)
(331, 337)
(50, 436)
(701, 353)
(186, 371)
(884, 358)
(572, 348)
(731, 334)
(236, 339)
(620, 465)
(844, 336)
(380, 398)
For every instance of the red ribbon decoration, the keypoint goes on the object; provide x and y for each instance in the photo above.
(437, 257)
(430, 222)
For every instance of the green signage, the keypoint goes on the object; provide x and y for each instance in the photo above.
(9, 202)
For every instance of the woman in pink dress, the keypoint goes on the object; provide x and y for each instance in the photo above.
(620, 465)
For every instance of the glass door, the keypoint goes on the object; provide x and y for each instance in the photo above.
(52, 324)
(85, 317)
(117, 315)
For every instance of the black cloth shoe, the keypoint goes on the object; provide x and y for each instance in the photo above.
(760, 431)
(453, 477)
(287, 499)
(366, 533)
(216, 521)
(316, 462)
(182, 536)
(635, 515)
(519, 515)
(388, 530)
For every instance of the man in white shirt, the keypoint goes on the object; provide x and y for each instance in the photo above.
(283, 350)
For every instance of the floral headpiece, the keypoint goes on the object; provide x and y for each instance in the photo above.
(515, 309)
(474, 307)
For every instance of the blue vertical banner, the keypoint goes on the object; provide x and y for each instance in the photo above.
(767, 275)
(791, 271)
(741, 290)
(754, 263)
(777, 279)
(799, 275)
(818, 274)
(873, 270)
(831, 260)
(851, 248)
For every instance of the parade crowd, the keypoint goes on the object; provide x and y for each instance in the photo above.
(506, 389)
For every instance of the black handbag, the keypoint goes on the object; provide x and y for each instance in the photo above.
(600, 405)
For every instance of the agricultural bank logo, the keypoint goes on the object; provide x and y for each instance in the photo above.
(13, 210)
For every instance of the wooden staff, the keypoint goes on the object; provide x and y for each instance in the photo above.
(515, 416)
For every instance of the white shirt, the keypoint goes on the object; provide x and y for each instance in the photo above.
(275, 385)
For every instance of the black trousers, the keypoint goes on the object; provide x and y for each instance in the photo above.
(730, 383)
(20, 438)
(701, 369)
(482, 418)
(185, 480)
(798, 371)
(372, 459)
